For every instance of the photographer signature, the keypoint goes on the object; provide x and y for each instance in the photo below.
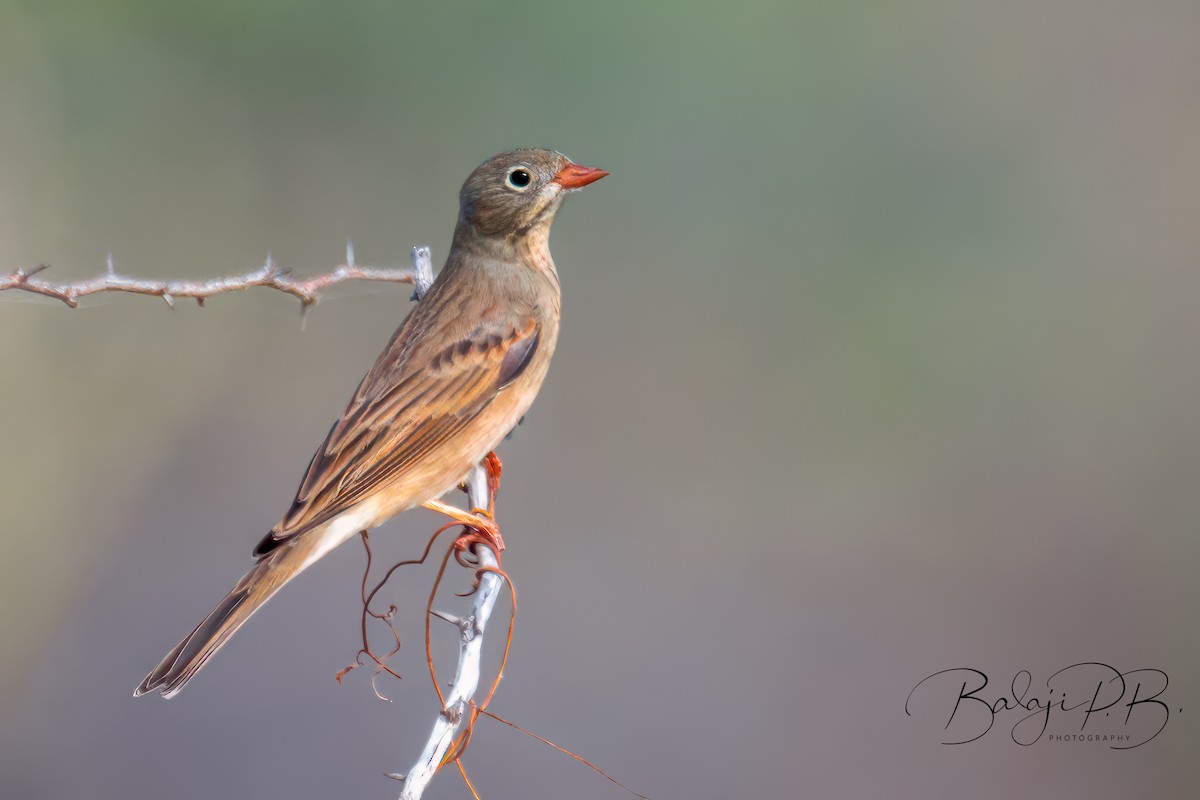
(1105, 689)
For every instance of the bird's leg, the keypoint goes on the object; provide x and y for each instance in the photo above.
(478, 519)
(493, 467)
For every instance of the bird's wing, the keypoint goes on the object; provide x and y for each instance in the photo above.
(403, 411)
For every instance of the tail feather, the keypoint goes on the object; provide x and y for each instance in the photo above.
(254, 589)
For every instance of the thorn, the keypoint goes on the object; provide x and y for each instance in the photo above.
(415, 296)
(457, 622)
(109, 262)
(170, 301)
(200, 302)
(32, 272)
(396, 776)
(350, 254)
(269, 266)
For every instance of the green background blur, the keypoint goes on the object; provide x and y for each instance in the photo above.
(879, 357)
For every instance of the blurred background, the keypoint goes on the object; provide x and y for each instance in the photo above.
(879, 357)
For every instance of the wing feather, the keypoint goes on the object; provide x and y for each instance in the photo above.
(390, 425)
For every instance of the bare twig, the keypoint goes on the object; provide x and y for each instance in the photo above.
(270, 275)
(455, 716)
(480, 494)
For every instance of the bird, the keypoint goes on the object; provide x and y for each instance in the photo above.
(456, 377)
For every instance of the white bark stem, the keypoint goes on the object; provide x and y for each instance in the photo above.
(456, 712)
(471, 630)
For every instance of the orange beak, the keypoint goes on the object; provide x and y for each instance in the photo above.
(576, 176)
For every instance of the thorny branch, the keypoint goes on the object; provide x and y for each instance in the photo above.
(455, 722)
(454, 725)
(270, 275)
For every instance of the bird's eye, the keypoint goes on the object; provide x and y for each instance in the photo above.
(519, 178)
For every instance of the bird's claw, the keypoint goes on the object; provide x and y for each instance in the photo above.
(482, 530)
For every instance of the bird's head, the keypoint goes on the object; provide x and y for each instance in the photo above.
(511, 193)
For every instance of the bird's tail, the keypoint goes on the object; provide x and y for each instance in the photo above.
(254, 589)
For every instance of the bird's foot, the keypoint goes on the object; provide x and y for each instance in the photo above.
(480, 520)
(486, 532)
